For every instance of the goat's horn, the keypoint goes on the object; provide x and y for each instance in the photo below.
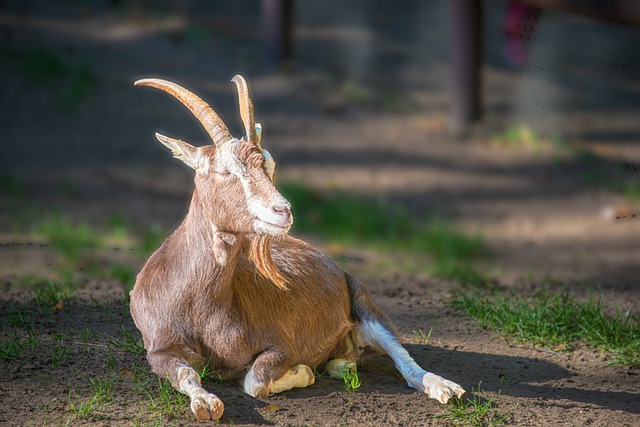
(246, 108)
(208, 118)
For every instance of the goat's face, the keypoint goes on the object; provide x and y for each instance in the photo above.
(235, 181)
(234, 177)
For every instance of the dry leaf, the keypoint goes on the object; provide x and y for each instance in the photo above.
(59, 306)
(271, 408)
(125, 371)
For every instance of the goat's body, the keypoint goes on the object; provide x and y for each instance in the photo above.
(238, 314)
(229, 289)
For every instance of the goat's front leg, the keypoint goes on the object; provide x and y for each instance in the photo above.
(376, 335)
(270, 374)
(204, 405)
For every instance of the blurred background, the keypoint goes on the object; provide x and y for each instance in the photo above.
(479, 143)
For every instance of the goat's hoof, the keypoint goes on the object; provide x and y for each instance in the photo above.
(302, 376)
(207, 406)
(440, 389)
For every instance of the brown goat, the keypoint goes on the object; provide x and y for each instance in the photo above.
(231, 289)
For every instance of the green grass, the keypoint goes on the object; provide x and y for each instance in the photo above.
(82, 410)
(57, 353)
(103, 389)
(14, 344)
(477, 411)
(525, 138)
(341, 217)
(65, 237)
(557, 321)
(422, 337)
(82, 248)
(128, 343)
(48, 293)
(170, 401)
(351, 379)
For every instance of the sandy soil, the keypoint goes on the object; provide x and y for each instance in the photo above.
(545, 226)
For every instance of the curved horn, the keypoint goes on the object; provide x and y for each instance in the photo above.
(246, 108)
(208, 118)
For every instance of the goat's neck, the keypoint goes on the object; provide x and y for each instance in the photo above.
(216, 252)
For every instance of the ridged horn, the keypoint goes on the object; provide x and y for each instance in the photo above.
(246, 108)
(207, 117)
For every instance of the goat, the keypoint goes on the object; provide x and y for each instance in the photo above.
(231, 289)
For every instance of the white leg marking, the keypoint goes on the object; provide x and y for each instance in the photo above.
(253, 387)
(204, 405)
(431, 384)
(336, 367)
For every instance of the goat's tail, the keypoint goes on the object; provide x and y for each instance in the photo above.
(362, 308)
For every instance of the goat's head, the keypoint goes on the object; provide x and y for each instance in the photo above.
(234, 177)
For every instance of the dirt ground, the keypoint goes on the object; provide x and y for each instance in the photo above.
(331, 122)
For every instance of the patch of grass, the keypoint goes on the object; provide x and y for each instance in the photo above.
(128, 343)
(82, 410)
(170, 401)
(421, 336)
(558, 320)
(477, 411)
(102, 389)
(349, 219)
(17, 318)
(86, 335)
(57, 353)
(208, 374)
(66, 238)
(15, 344)
(110, 362)
(523, 137)
(11, 348)
(351, 379)
(47, 294)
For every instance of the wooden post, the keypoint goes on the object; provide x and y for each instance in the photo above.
(466, 55)
(277, 20)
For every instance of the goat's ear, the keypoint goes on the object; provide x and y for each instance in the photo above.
(184, 151)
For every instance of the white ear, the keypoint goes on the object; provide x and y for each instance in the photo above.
(184, 151)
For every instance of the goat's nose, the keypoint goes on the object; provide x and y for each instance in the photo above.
(284, 209)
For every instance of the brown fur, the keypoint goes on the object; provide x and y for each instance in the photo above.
(261, 258)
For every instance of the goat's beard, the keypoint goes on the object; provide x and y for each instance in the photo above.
(260, 254)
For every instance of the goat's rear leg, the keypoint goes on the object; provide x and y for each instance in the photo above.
(269, 375)
(376, 335)
(375, 330)
(204, 405)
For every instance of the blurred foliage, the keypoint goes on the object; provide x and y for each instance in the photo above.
(345, 218)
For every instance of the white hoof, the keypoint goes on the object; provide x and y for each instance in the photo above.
(440, 389)
(206, 406)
